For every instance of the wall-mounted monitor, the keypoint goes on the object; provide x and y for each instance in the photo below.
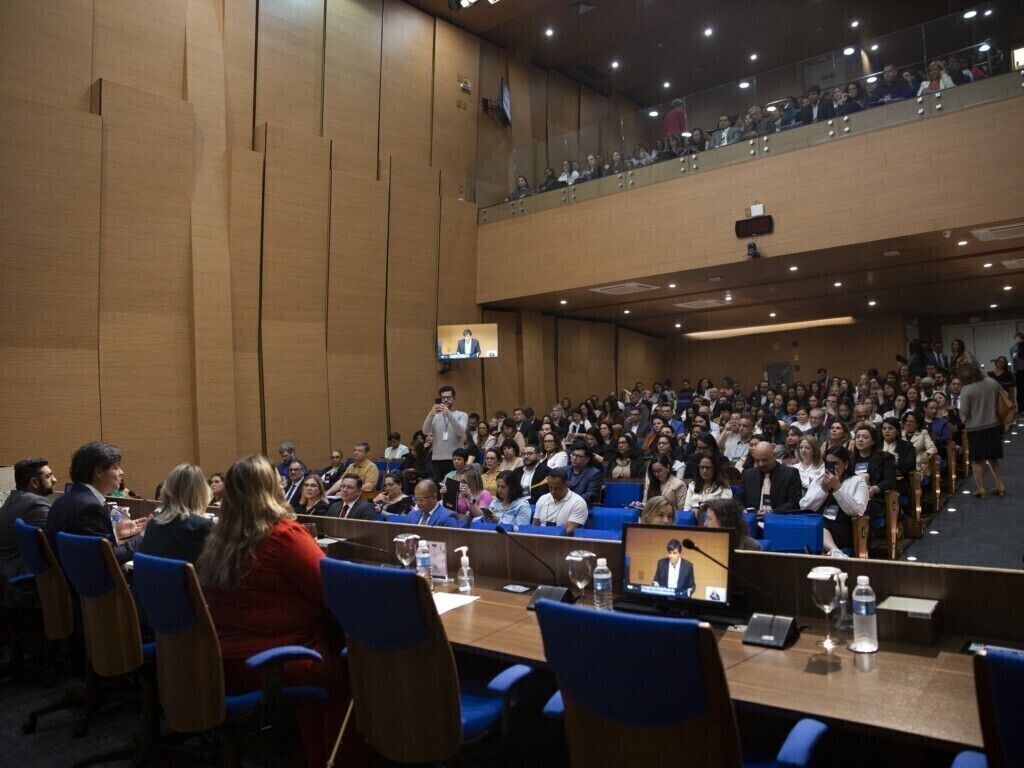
(466, 342)
(505, 101)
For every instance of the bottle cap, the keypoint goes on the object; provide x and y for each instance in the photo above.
(862, 581)
(601, 562)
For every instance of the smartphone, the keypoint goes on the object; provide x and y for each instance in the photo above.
(437, 401)
(830, 466)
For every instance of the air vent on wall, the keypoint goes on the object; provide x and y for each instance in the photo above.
(623, 288)
(1005, 232)
(702, 304)
(1014, 264)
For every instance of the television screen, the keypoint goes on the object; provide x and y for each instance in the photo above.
(506, 101)
(464, 342)
(656, 565)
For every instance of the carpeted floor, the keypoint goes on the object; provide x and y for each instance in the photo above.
(985, 532)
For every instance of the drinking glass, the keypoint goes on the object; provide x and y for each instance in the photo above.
(405, 548)
(580, 570)
(311, 527)
(826, 596)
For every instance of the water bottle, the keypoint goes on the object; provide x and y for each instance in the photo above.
(115, 517)
(423, 564)
(602, 585)
(865, 622)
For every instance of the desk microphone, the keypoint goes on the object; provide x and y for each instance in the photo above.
(558, 594)
(390, 555)
(768, 630)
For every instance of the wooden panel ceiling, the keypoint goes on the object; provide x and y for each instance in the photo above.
(663, 40)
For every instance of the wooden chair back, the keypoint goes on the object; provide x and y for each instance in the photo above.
(51, 584)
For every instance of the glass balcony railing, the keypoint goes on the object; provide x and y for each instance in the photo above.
(873, 84)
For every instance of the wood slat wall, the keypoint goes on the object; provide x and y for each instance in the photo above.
(586, 359)
(239, 70)
(640, 358)
(406, 83)
(501, 376)
(290, 64)
(453, 138)
(142, 49)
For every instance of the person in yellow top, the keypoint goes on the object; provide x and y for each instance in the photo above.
(364, 468)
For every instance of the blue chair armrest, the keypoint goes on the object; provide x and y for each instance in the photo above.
(555, 708)
(281, 655)
(505, 681)
(21, 580)
(970, 759)
(799, 746)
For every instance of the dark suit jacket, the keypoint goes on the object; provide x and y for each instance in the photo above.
(786, 489)
(539, 483)
(826, 111)
(180, 539)
(586, 484)
(79, 511)
(20, 505)
(361, 510)
(685, 585)
(528, 432)
(474, 347)
(881, 472)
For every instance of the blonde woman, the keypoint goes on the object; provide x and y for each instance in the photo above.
(179, 528)
(811, 467)
(261, 573)
(473, 499)
(658, 511)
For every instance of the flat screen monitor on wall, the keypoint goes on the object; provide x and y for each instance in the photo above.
(465, 342)
(505, 100)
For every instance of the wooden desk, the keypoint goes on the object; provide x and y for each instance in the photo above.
(903, 693)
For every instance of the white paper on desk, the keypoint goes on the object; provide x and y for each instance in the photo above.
(446, 601)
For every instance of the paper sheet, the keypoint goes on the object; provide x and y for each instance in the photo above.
(446, 601)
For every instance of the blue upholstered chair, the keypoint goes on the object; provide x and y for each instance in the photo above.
(626, 715)
(542, 530)
(686, 517)
(597, 533)
(190, 670)
(611, 518)
(792, 533)
(998, 680)
(622, 493)
(408, 701)
(480, 525)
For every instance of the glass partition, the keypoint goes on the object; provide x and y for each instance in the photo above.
(866, 74)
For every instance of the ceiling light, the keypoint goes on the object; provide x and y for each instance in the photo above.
(679, 325)
(686, 134)
(837, 284)
(715, 279)
(771, 108)
(794, 268)
(872, 303)
(984, 47)
(987, 264)
(848, 51)
(671, 285)
(962, 243)
(728, 333)
(872, 79)
(988, 12)
(708, 32)
(874, 47)
(728, 297)
(970, 14)
(744, 84)
(615, 65)
(855, 23)
(771, 314)
(653, 113)
(667, 84)
(563, 301)
(891, 253)
(1007, 287)
(549, 31)
(993, 306)
(753, 57)
(466, 3)
(625, 311)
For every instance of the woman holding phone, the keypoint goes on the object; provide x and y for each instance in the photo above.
(840, 496)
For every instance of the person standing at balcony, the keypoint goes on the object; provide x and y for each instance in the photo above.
(675, 120)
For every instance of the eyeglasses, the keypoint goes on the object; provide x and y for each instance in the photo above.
(422, 499)
(311, 487)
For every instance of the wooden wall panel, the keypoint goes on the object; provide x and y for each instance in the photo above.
(407, 81)
(239, 70)
(145, 350)
(640, 358)
(549, 331)
(290, 63)
(563, 119)
(141, 45)
(46, 51)
(520, 84)
(214, 381)
(453, 137)
(501, 376)
(352, 83)
(491, 137)
(244, 233)
(456, 305)
(586, 359)
(293, 307)
(537, 371)
(411, 320)
(355, 313)
(593, 125)
(903, 162)
(50, 219)
(844, 350)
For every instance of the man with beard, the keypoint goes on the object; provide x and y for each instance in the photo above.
(34, 481)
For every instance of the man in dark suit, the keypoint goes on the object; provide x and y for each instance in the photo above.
(525, 426)
(428, 510)
(34, 482)
(296, 474)
(83, 510)
(936, 356)
(770, 481)
(351, 506)
(330, 475)
(817, 110)
(532, 476)
(726, 133)
(468, 346)
(675, 572)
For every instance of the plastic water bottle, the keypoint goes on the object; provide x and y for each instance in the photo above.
(423, 564)
(865, 622)
(115, 517)
(602, 585)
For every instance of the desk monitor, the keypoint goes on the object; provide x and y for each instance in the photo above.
(647, 555)
(465, 342)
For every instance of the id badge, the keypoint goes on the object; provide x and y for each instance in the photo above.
(444, 436)
(831, 511)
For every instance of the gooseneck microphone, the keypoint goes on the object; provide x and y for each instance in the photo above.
(768, 630)
(390, 555)
(549, 592)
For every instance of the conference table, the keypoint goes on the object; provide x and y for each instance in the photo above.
(906, 693)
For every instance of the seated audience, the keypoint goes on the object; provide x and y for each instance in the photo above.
(287, 453)
(550, 181)
(661, 482)
(391, 500)
(839, 496)
(180, 526)
(350, 505)
(34, 483)
(395, 449)
(509, 508)
(924, 447)
(902, 452)
(216, 488)
(628, 463)
(810, 465)
(312, 500)
(429, 510)
(553, 456)
(817, 109)
(658, 511)
(710, 483)
(532, 475)
(769, 487)
(569, 176)
(473, 499)
(706, 445)
(937, 79)
(877, 467)
(417, 464)
(726, 134)
(510, 456)
(489, 471)
(585, 479)
(560, 506)
(728, 513)
(522, 190)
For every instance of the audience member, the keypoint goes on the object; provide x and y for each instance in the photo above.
(429, 511)
(560, 506)
(391, 501)
(332, 473)
(809, 467)
(725, 135)
(710, 483)
(312, 500)
(179, 526)
(937, 80)
(769, 487)
(532, 475)
(350, 505)
(509, 508)
(658, 511)
(34, 482)
(728, 513)
(216, 488)
(395, 449)
(448, 428)
(876, 466)
(287, 451)
(839, 496)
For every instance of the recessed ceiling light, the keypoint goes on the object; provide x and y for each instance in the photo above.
(753, 57)
(962, 243)
(679, 325)
(837, 284)
(891, 253)
(708, 31)
(988, 12)
(563, 301)
(671, 285)
(987, 264)
(1007, 287)
(771, 314)
(625, 311)
(771, 108)
(970, 14)
(848, 51)
(549, 31)
(992, 306)
(686, 134)
(653, 113)
(874, 47)
(872, 303)
(615, 65)
(667, 84)
(911, 558)
(872, 79)
(855, 23)
(744, 84)
(728, 297)
(794, 268)
(984, 47)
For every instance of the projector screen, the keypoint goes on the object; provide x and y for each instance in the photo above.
(464, 342)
